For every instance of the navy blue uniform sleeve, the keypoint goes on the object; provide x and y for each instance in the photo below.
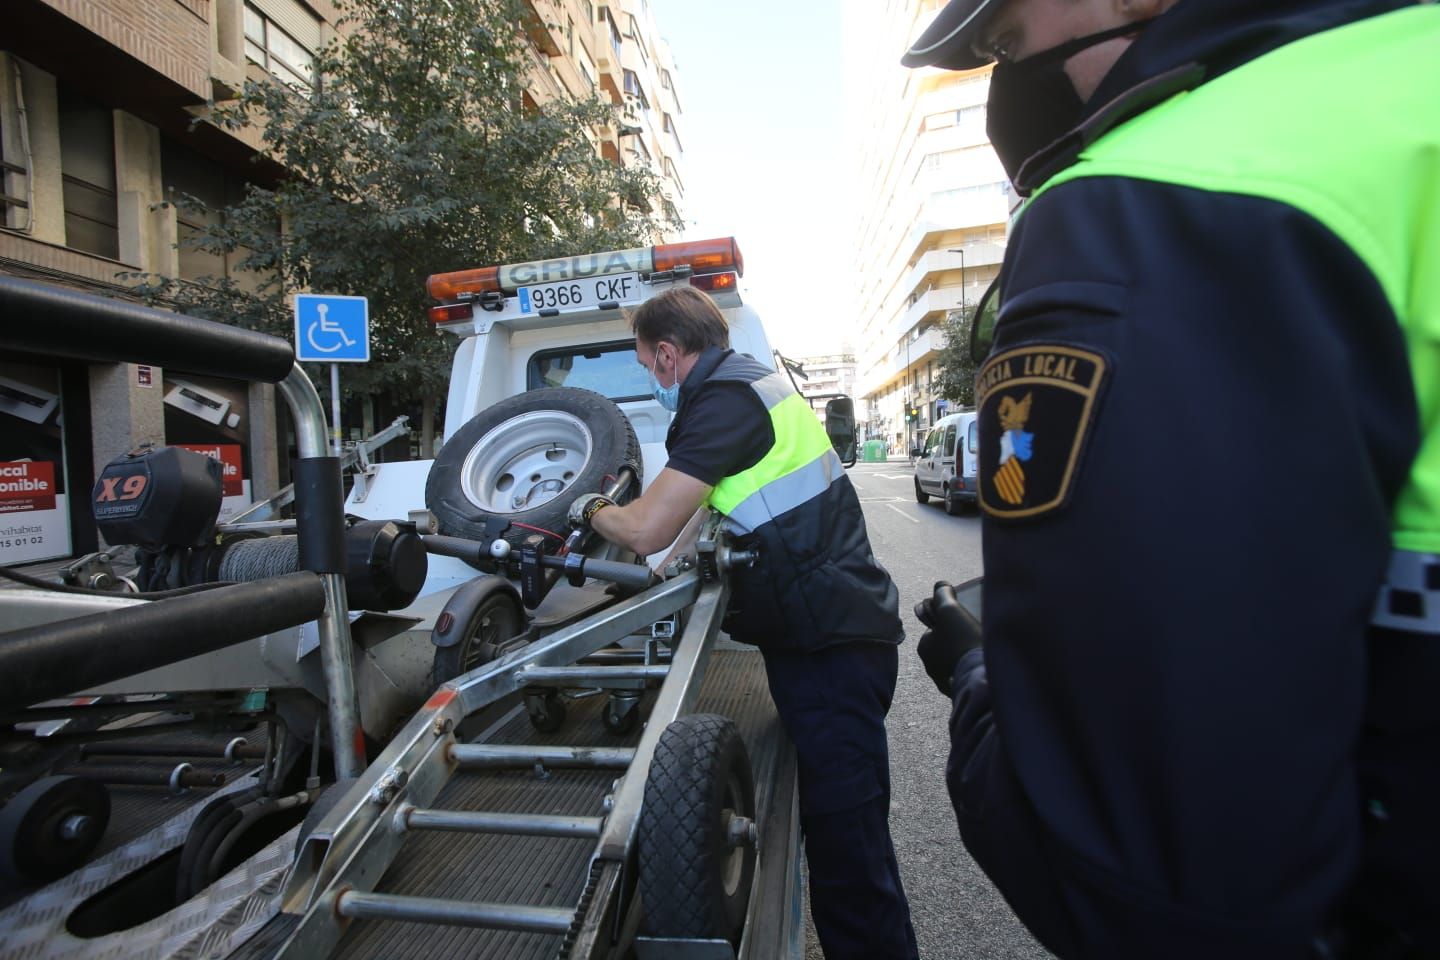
(726, 429)
(1156, 756)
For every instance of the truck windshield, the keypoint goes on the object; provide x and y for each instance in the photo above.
(608, 368)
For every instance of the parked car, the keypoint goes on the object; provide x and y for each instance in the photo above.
(945, 466)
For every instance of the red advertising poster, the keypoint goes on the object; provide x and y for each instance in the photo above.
(229, 456)
(27, 486)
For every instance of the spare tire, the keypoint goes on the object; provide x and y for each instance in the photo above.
(525, 459)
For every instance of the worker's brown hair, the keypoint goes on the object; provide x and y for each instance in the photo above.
(685, 317)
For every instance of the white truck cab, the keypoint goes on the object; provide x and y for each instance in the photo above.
(555, 323)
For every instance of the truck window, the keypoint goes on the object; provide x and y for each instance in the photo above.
(608, 368)
(949, 441)
(972, 439)
(931, 439)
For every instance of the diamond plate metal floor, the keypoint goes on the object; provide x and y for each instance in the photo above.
(543, 872)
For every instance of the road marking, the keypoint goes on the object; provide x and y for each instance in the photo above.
(882, 499)
(902, 513)
(892, 476)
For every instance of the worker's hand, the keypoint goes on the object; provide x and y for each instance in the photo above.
(583, 510)
(953, 631)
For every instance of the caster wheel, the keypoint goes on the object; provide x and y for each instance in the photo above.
(622, 715)
(547, 711)
(51, 827)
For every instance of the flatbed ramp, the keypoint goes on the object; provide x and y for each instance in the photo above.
(552, 872)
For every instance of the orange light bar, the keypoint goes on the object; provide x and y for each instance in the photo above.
(702, 256)
(450, 286)
(715, 282)
(451, 313)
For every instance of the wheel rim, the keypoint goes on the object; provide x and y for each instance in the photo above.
(526, 461)
(487, 633)
(734, 867)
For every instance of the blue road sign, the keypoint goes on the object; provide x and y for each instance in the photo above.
(331, 328)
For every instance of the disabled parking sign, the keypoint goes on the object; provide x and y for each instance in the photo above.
(332, 329)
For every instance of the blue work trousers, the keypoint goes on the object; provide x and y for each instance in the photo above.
(833, 703)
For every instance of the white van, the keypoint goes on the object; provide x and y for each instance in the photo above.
(947, 464)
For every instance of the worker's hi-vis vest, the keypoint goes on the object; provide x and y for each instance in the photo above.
(1269, 129)
(816, 582)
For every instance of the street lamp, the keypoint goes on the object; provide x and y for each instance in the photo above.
(962, 276)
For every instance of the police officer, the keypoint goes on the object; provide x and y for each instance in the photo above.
(1203, 722)
(821, 609)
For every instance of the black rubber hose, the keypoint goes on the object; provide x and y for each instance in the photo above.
(40, 584)
(49, 661)
(67, 323)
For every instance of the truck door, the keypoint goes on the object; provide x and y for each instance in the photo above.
(926, 468)
(947, 456)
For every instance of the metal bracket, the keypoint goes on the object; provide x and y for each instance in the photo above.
(662, 948)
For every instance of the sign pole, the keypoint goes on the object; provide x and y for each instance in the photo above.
(335, 407)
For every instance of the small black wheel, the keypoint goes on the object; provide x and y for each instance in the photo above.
(621, 717)
(953, 504)
(920, 495)
(546, 710)
(697, 859)
(493, 627)
(51, 827)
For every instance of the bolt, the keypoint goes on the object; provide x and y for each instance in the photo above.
(75, 826)
(442, 726)
(741, 831)
(389, 786)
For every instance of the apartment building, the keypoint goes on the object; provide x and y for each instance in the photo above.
(97, 103)
(827, 374)
(931, 202)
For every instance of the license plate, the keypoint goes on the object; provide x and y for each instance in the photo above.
(586, 294)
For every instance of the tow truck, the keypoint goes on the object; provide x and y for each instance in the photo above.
(571, 760)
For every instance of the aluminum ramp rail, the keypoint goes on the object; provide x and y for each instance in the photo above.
(345, 860)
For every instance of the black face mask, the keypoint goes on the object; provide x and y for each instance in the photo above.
(1033, 103)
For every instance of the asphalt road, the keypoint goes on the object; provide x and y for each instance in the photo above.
(956, 911)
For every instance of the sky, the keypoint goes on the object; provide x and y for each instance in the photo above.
(761, 124)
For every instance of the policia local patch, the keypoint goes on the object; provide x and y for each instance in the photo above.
(1036, 405)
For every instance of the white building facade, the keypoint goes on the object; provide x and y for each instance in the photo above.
(931, 203)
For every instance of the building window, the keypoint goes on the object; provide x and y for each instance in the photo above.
(633, 88)
(87, 170)
(609, 19)
(665, 78)
(674, 176)
(669, 124)
(570, 34)
(277, 53)
(634, 34)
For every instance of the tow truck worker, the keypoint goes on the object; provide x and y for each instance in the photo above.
(822, 611)
(1203, 720)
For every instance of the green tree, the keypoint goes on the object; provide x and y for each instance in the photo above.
(957, 371)
(416, 152)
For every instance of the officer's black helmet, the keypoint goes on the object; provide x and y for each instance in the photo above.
(947, 41)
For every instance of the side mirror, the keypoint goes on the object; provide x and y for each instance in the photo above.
(916, 452)
(840, 428)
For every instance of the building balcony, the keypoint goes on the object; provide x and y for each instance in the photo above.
(975, 256)
(933, 305)
(890, 368)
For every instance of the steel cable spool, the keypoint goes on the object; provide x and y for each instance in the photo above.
(259, 558)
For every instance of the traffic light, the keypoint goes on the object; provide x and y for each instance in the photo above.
(911, 413)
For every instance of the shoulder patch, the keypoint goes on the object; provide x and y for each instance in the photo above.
(1036, 405)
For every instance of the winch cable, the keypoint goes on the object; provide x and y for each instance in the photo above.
(259, 558)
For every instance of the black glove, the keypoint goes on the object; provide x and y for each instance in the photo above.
(953, 631)
(585, 506)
